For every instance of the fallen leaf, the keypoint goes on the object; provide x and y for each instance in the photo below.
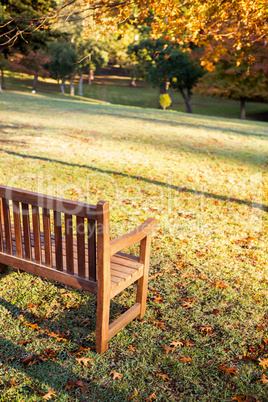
(115, 375)
(158, 299)
(84, 360)
(163, 376)
(34, 326)
(160, 324)
(186, 359)
(264, 379)
(131, 348)
(168, 349)
(228, 370)
(74, 384)
(263, 363)
(151, 397)
(48, 395)
(176, 344)
(132, 396)
(241, 398)
(219, 285)
(189, 344)
(207, 330)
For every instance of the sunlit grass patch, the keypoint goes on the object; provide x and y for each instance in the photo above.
(205, 180)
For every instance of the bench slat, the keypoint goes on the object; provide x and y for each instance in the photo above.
(1, 227)
(36, 234)
(48, 202)
(80, 232)
(17, 225)
(69, 243)
(91, 240)
(26, 231)
(47, 237)
(6, 214)
(58, 240)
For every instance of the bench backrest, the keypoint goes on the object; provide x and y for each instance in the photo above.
(50, 231)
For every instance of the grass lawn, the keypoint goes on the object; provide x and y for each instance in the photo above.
(117, 90)
(205, 333)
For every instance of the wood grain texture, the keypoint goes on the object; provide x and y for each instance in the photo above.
(69, 243)
(142, 286)
(1, 227)
(124, 319)
(81, 257)
(133, 237)
(36, 235)
(48, 202)
(6, 216)
(103, 276)
(58, 240)
(26, 231)
(47, 237)
(91, 241)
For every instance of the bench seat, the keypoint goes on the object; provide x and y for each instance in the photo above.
(125, 269)
(69, 242)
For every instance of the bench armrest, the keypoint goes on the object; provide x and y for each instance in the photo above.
(133, 237)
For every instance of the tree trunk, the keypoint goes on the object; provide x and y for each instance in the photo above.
(71, 87)
(35, 82)
(90, 76)
(133, 82)
(242, 109)
(3, 84)
(80, 85)
(187, 101)
(62, 86)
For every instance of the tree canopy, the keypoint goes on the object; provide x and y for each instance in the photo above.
(232, 24)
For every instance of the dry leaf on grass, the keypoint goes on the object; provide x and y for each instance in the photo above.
(176, 344)
(241, 398)
(132, 396)
(186, 359)
(264, 379)
(163, 376)
(48, 395)
(84, 360)
(228, 370)
(115, 374)
(263, 363)
(151, 397)
(168, 349)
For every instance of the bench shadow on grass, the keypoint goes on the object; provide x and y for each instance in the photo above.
(250, 204)
(50, 373)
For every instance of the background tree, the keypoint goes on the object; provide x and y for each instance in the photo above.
(33, 64)
(165, 65)
(243, 81)
(91, 55)
(63, 62)
(33, 39)
(235, 23)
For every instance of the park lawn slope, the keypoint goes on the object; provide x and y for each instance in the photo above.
(205, 333)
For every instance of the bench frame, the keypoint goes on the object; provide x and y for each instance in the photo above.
(98, 283)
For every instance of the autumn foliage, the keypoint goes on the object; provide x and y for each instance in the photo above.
(232, 24)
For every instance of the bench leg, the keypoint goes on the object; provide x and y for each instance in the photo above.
(102, 324)
(143, 281)
(3, 268)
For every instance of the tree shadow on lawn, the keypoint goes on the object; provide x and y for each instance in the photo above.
(212, 148)
(150, 181)
(47, 369)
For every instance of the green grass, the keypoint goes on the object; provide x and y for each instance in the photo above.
(117, 90)
(205, 180)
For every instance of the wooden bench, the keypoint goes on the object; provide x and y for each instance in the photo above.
(69, 242)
